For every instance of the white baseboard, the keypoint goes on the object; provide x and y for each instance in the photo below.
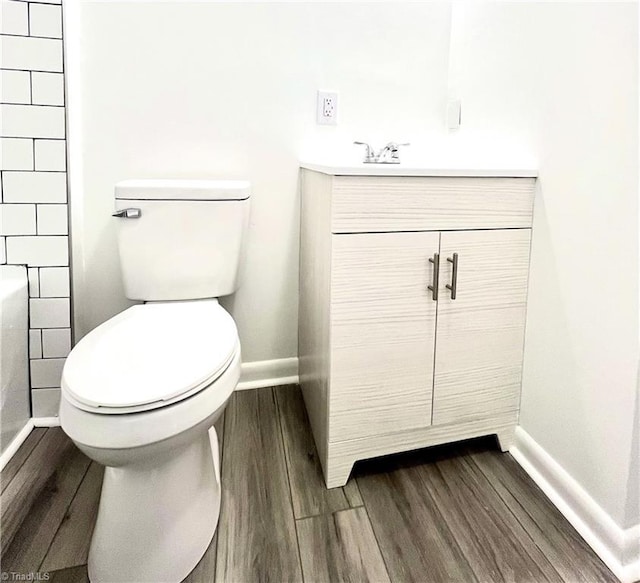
(46, 421)
(15, 444)
(268, 373)
(619, 548)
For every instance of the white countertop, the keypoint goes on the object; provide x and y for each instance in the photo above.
(415, 170)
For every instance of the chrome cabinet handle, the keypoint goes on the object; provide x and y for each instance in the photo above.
(130, 213)
(436, 274)
(454, 276)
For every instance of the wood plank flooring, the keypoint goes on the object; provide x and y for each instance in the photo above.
(463, 512)
(257, 509)
(36, 473)
(16, 462)
(340, 547)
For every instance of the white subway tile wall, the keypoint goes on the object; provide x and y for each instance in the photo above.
(16, 86)
(50, 155)
(32, 121)
(46, 372)
(33, 184)
(54, 282)
(52, 219)
(31, 54)
(34, 187)
(17, 154)
(17, 219)
(44, 251)
(47, 88)
(35, 343)
(49, 313)
(56, 343)
(34, 282)
(45, 402)
(15, 18)
(45, 20)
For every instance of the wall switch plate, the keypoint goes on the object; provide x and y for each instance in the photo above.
(454, 114)
(327, 108)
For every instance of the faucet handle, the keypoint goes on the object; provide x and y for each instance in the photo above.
(394, 149)
(370, 155)
(390, 154)
(395, 146)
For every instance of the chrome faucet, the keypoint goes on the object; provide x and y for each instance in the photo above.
(390, 154)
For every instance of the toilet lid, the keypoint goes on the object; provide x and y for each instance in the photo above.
(151, 353)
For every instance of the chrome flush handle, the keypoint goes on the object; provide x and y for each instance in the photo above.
(130, 213)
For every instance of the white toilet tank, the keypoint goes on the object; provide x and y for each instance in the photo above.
(180, 239)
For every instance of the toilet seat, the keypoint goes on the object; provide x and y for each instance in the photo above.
(150, 356)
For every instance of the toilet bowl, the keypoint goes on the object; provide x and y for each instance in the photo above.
(140, 395)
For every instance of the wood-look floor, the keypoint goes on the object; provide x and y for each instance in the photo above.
(460, 513)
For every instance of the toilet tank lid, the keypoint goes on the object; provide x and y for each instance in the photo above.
(170, 189)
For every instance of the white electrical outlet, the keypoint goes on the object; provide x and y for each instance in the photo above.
(327, 108)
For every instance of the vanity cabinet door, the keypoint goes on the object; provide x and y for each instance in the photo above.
(480, 333)
(382, 333)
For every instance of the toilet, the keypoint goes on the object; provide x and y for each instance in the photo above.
(141, 392)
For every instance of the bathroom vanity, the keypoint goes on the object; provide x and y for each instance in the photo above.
(413, 291)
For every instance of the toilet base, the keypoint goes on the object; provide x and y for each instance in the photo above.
(157, 519)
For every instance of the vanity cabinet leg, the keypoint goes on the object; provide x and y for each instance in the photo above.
(506, 438)
(338, 471)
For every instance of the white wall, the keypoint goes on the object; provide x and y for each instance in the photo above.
(181, 89)
(563, 78)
